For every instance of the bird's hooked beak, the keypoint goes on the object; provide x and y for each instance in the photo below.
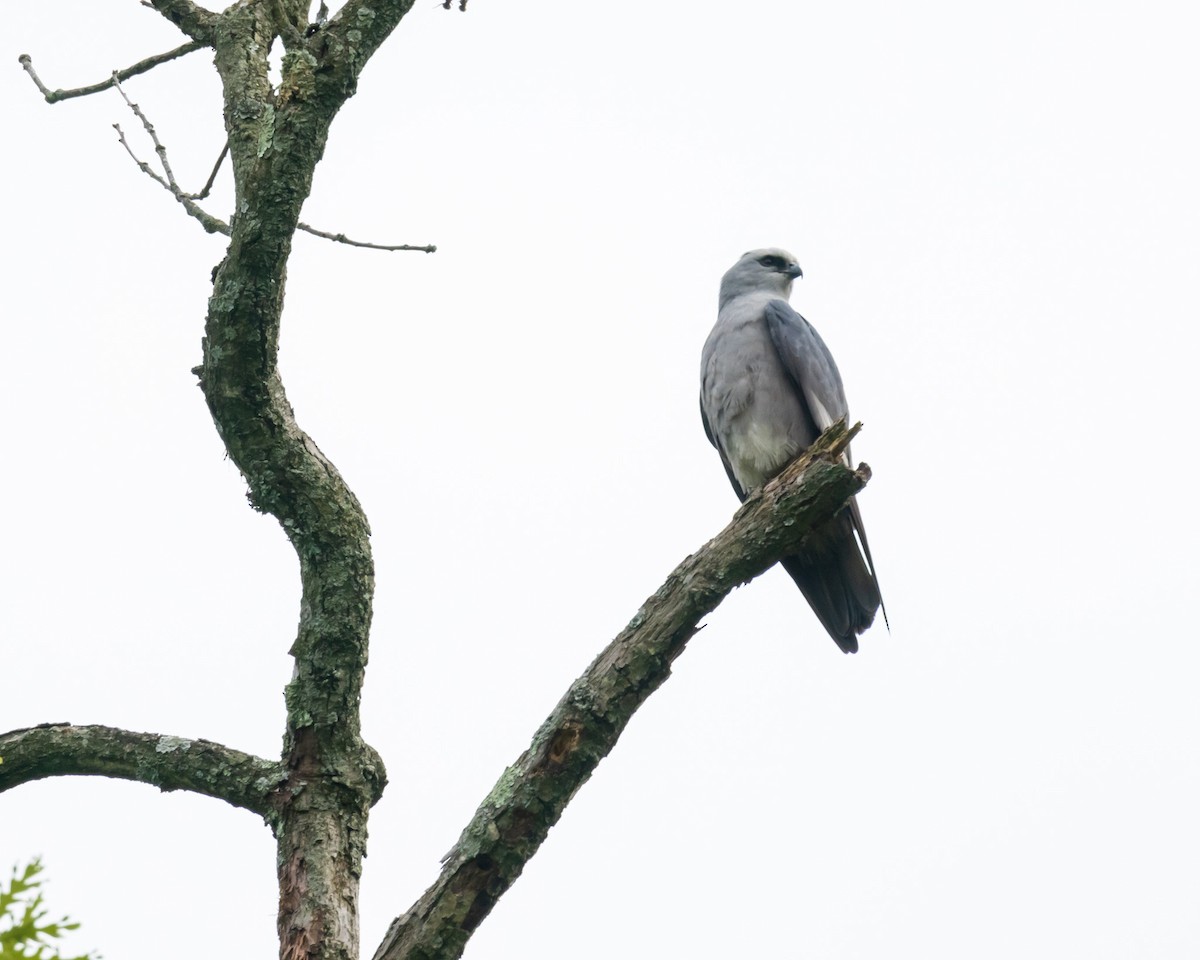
(794, 271)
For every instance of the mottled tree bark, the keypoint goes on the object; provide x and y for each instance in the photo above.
(276, 139)
(169, 763)
(316, 799)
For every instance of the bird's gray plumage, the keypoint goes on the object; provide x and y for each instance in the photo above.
(768, 388)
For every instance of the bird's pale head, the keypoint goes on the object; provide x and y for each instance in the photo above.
(769, 270)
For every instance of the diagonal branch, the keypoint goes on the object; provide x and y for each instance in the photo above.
(54, 96)
(192, 19)
(212, 177)
(355, 32)
(530, 796)
(169, 763)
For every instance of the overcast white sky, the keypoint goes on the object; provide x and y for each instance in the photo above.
(996, 212)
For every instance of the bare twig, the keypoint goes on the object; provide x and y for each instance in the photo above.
(212, 176)
(188, 200)
(169, 763)
(142, 164)
(149, 127)
(54, 96)
(342, 238)
(210, 223)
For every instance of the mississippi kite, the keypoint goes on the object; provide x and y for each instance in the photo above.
(768, 387)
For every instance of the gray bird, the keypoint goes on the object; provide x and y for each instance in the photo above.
(768, 387)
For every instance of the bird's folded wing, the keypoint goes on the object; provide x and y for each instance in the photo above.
(737, 487)
(809, 364)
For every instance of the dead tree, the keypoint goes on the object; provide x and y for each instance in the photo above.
(316, 797)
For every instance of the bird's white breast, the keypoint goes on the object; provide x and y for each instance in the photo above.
(757, 449)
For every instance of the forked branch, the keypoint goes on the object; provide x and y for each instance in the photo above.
(166, 179)
(210, 223)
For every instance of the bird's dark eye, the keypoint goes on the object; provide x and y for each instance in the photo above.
(772, 262)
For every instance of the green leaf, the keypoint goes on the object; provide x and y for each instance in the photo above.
(24, 932)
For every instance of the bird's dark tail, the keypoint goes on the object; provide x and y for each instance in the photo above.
(836, 581)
